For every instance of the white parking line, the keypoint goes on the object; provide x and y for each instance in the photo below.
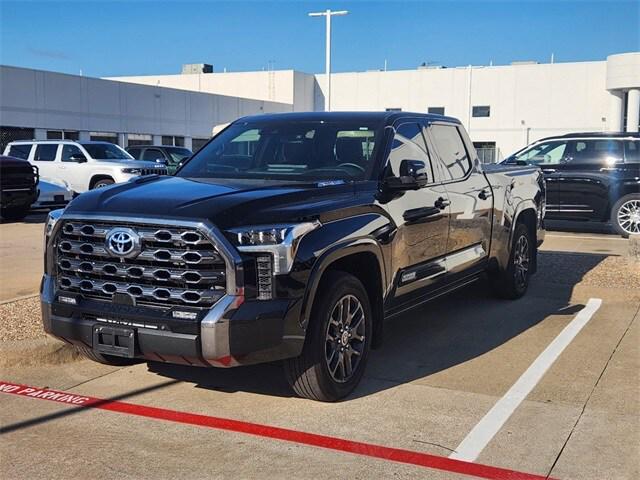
(580, 237)
(492, 422)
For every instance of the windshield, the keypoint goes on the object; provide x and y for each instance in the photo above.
(106, 151)
(178, 154)
(300, 151)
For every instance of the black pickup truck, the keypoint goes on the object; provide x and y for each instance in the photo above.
(289, 237)
(18, 187)
(591, 177)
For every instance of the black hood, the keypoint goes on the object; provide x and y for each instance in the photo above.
(226, 203)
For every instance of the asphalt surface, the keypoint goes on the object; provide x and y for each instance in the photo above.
(441, 369)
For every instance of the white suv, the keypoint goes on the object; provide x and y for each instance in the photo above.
(82, 165)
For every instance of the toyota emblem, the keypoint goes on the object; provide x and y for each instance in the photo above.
(123, 242)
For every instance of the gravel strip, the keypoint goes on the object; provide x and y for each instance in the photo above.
(20, 320)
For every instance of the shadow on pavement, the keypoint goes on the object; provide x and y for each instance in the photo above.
(434, 337)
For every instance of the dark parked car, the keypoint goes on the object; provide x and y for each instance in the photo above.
(289, 237)
(171, 156)
(18, 187)
(591, 177)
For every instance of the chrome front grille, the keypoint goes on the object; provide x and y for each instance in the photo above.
(175, 265)
(154, 171)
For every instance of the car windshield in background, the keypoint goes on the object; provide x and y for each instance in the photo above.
(106, 151)
(178, 154)
(302, 151)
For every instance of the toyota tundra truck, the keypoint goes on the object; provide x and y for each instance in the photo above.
(289, 237)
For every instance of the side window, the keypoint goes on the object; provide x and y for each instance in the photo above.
(601, 152)
(134, 152)
(451, 150)
(20, 151)
(632, 151)
(46, 152)
(408, 144)
(69, 151)
(548, 153)
(152, 154)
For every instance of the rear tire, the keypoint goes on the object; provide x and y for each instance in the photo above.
(337, 343)
(625, 215)
(105, 359)
(512, 283)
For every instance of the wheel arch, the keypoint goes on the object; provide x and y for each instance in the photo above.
(361, 258)
(99, 176)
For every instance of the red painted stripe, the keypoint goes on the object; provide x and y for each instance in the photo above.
(304, 438)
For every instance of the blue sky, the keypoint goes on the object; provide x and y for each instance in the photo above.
(152, 37)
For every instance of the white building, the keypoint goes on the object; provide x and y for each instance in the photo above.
(46, 105)
(503, 107)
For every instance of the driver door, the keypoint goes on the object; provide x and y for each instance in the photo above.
(72, 169)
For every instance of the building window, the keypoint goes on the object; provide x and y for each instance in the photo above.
(198, 143)
(62, 135)
(172, 141)
(134, 139)
(436, 110)
(486, 151)
(393, 109)
(104, 137)
(11, 134)
(481, 111)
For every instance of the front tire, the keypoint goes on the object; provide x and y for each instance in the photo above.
(512, 283)
(14, 213)
(338, 341)
(625, 215)
(103, 182)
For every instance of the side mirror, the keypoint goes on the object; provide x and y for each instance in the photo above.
(78, 157)
(413, 175)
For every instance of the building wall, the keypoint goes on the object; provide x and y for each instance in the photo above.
(47, 100)
(284, 86)
(550, 98)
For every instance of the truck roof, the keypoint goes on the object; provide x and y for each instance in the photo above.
(387, 117)
(595, 135)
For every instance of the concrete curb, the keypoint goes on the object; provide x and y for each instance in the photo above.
(17, 299)
(40, 351)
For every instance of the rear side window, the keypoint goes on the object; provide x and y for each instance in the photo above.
(596, 152)
(452, 152)
(632, 151)
(20, 151)
(46, 152)
(134, 152)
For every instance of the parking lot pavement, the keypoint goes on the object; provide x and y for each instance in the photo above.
(21, 257)
(441, 369)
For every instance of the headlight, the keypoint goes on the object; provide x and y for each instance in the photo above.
(135, 171)
(281, 241)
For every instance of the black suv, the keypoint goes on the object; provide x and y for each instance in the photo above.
(171, 156)
(590, 177)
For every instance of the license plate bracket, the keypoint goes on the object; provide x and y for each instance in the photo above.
(117, 341)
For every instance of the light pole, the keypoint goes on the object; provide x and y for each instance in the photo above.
(328, 14)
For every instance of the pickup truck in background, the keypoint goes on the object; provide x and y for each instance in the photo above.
(18, 187)
(289, 237)
(591, 177)
(82, 166)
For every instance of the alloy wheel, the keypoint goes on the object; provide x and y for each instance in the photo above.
(629, 216)
(521, 260)
(345, 338)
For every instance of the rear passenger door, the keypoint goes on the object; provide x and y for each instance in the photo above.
(44, 157)
(470, 195)
(421, 217)
(586, 177)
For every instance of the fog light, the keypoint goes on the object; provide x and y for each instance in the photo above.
(264, 269)
(67, 300)
(184, 315)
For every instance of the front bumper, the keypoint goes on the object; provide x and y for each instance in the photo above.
(231, 333)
